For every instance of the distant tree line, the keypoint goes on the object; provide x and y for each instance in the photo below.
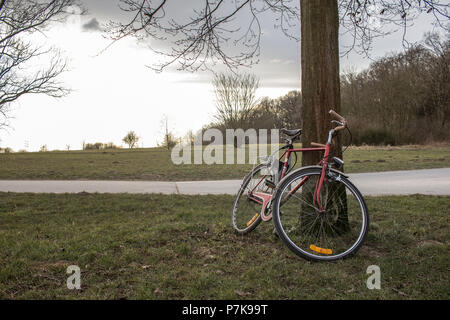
(402, 98)
(131, 139)
(282, 112)
(99, 146)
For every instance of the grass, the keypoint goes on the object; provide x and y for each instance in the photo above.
(182, 247)
(156, 164)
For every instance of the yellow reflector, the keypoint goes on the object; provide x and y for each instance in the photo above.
(253, 219)
(320, 250)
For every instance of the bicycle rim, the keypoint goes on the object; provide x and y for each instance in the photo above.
(331, 228)
(246, 209)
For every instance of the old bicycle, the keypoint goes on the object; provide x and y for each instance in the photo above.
(317, 212)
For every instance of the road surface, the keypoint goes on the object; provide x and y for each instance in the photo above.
(427, 181)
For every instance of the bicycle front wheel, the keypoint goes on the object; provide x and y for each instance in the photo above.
(320, 226)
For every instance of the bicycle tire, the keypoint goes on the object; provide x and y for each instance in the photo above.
(240, 220)
(301, 230)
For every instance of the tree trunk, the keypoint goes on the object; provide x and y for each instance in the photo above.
(321, 86)
(320, 73)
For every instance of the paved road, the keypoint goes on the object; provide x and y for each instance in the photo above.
(427, 181)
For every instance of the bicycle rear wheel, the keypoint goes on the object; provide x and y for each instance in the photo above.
(329, 229)
(246, 210)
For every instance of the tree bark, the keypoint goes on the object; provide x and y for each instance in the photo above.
(320, 73)
(321, 91)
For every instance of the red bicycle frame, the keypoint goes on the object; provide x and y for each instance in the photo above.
(264, 199)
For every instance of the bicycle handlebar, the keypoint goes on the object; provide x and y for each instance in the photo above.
(340, 118)
(336, 115)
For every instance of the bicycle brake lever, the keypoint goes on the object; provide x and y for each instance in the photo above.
(337, 122)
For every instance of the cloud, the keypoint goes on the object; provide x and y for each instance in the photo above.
(91, 25)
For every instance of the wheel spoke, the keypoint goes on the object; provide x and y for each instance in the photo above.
(334, 233)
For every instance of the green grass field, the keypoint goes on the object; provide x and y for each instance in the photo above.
(183, 247)
(156, 164)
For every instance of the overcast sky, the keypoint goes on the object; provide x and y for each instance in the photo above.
(114, 92)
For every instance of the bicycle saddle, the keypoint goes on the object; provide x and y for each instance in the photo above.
(292, 133)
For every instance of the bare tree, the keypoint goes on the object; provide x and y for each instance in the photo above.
(131, 139)
(19, 19)
(365, 20)
(235, 98)
(210, 33)
(189, 137)
(169, 140)
(281, 112)
(439, 78)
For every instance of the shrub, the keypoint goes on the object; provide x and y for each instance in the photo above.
(131, 139)
(169, 141)
(110, 145)
(6, 150)
(99, 146)
(92, 146)
(376, 137)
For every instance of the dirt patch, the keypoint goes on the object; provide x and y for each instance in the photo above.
(203, 252)
(370, 251)
(150, 176)
(430, 243)
(48, 265)
(403, 147)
